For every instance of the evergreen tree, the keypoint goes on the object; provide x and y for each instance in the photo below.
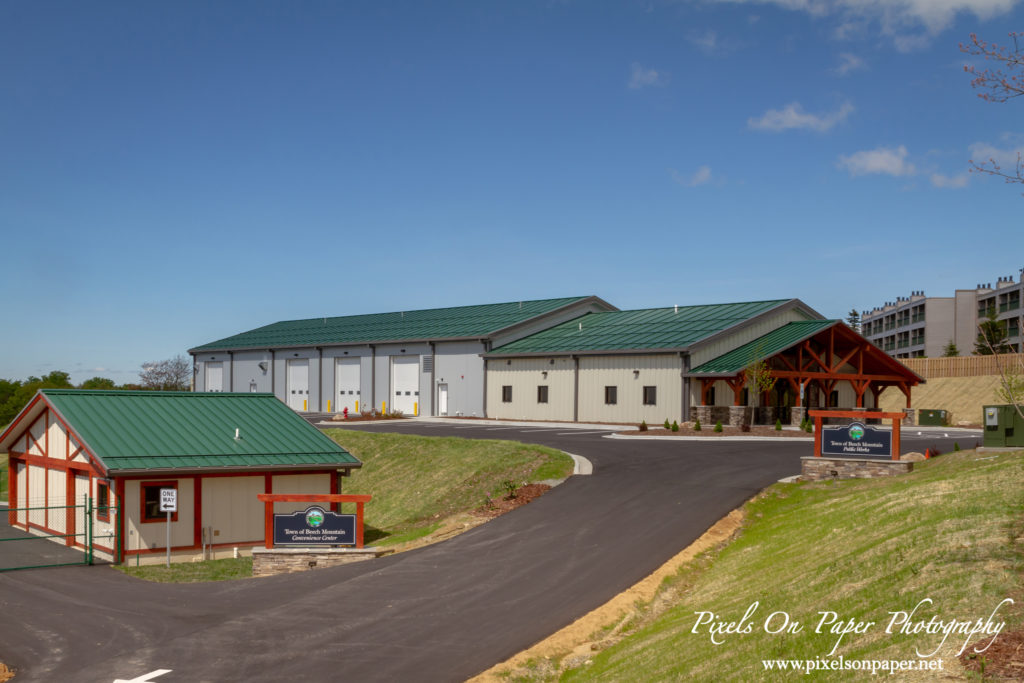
(853, 320)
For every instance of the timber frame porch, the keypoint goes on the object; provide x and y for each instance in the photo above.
(810, 359)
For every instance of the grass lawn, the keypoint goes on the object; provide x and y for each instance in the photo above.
(192, 572)
(419, 481)
(951, 531)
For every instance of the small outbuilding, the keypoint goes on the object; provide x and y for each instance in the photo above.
(108, 454)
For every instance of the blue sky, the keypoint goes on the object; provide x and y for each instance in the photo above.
(173, 173)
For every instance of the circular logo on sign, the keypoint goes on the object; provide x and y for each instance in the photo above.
(856, 431)
(314, 517)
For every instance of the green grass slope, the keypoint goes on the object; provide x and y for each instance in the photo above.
(950, 532)
(417, 481)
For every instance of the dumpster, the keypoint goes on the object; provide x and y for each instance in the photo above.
(931, 418)
(1003, 426)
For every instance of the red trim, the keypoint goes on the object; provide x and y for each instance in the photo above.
(21, 416)
(197, 518)
(186, 474)
(143, 518)
(12, 489)
(69, 500)
(120, 518)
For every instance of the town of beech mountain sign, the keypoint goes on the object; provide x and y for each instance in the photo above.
(314, 526)
(855, 439)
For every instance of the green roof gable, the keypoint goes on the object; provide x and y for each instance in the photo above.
(435, 323)
(150, 430)
(765, 346)
(645, 329)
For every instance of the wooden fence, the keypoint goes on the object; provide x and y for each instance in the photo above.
(964, 366)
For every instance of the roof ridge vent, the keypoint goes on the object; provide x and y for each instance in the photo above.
(238, 434)
(676, 308)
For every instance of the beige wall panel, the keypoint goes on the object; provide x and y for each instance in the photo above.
(57, 440)
(154, 534)
(732, 341)
(38, 431)
(20, 473)
(74, 445)
(36, 493)
(299, 483)
(661, 371)
(56, 494)
(722, 394)
(81, 491)
(524, 375)
(230, 506)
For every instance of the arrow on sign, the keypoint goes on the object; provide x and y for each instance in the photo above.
(144, 678)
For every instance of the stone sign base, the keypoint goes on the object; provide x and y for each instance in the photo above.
(270, 561)
(817, 469)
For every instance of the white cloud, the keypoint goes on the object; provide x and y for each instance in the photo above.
(706, 41)
(701, 177)
(953, 182)
(883, 160)
(643, 78)
(793, 116)
(984, 152)
(848, 63)
(910, 23)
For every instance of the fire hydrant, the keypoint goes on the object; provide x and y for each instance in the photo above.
(344, 413)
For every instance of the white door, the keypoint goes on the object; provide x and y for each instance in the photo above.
(215, 376)
(442, 399)
(405, 380)
(298, 384)
(346, 379)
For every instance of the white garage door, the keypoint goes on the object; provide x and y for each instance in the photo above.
(298, 384)
(214, 376)
(405, 380)
(346, 379)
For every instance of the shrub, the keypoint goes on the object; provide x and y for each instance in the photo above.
(696, 425)
(675, 426)
(718, 426)
(643, 426)
(511, 487)
(809, 428)
(778, 425)
(667, 425)
(956, 446)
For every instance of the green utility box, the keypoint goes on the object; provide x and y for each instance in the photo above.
(1003, 426)
(931, 418)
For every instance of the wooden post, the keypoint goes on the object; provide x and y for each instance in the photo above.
(896, 438)
(896, 418)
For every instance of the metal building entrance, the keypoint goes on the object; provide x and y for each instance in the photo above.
(298, 384)
(346, 379)
(405, 380)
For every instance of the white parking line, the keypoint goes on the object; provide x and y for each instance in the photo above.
(528, 431)
(603, 431)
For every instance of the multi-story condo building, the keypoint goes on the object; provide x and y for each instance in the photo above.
(916, 326)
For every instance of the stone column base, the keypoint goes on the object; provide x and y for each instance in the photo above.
(816, 469)
(740, 415)
(270, 561)
(797, 414)
(704, 414)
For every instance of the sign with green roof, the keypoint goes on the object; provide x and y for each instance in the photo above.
(461, 322)
(148, 431)
(647, 329)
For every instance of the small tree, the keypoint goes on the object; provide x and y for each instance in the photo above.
(951, 350)
(675, 426)
(991, 336)
(759, 377)
(853, 320)
(718, 426)
(173, 374)
(98, 383)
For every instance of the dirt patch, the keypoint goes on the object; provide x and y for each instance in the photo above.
(1004, 659)
(709, 431)
(578, 637)
(524, 494)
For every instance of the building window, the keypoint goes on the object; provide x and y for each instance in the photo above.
(650, 396)
(542, 393)
(711, 396)
(611, 396)
(103, 501)
(506, 394)
(149, 495)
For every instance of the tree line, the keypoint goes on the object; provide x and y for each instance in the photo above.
(173, 374)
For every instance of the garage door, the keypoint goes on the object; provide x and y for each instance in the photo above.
(298, 384)
(405, 380)
(346, 379)
(214, 376)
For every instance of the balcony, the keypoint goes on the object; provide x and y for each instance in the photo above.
(917, 318)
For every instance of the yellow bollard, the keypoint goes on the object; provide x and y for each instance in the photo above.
(303, 405)
(357, 406)
(415, 409)
(328, 405)
(383, 407)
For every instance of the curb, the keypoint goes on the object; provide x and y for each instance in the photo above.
(784, 439)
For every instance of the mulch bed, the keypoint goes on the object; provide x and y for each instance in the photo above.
(755, 430)
(524, 494)
(1003, 660)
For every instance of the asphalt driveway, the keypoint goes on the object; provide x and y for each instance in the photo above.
(440, 613)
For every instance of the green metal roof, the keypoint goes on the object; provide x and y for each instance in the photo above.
(142, 430)
(645, 329)
(763, 347)
(434, 323)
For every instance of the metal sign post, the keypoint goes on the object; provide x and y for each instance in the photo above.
(168, 504)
